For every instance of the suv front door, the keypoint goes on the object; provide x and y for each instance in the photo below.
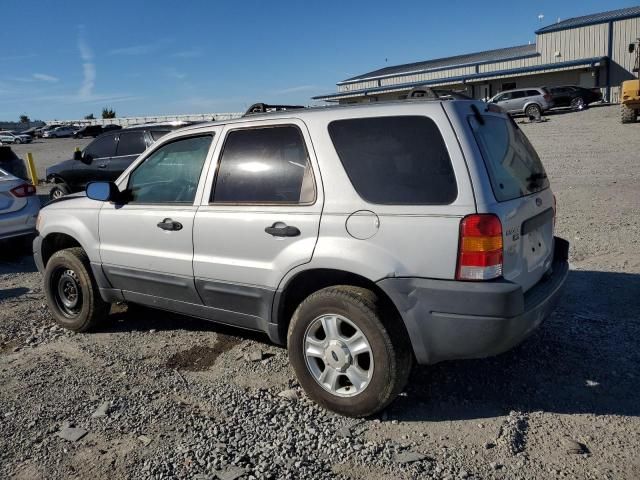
(146, 244)
(95, 162)
(259, 219)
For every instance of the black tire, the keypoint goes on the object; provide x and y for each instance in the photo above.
(18, 141)
(578, 104)
(533, 110)
(90, 309)
(390, 347)
(627, 114)
(59, 190)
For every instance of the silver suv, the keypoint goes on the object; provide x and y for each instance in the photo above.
(361, 237)
(530, 101)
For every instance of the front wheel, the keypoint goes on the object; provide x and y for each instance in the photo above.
(18, 141)
(71, 291)
(627, 114)
(350, 354)
(59, 190)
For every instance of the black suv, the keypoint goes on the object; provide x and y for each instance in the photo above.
(104, 159)
(578, 98)
(95, 130)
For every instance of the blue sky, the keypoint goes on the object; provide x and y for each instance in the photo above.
(63, 60)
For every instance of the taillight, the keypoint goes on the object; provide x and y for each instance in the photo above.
(547, 97)
(480, 248)
(24, 190)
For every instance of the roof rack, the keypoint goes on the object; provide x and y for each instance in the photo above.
(436, 94)
(264, 108)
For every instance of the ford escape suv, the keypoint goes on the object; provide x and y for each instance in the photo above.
(361, 237)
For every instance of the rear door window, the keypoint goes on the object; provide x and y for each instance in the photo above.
(519, 94)
(156, 134)
(514, 168)
(265, 166)
(131, 143)
(533, 93)
(395, 160)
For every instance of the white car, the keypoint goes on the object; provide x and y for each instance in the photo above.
(19, 207)
(8, 137)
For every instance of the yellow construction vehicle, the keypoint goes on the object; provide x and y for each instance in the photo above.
(630, 90)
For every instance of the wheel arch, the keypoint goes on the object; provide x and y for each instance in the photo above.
(303, 283)
(56, 241)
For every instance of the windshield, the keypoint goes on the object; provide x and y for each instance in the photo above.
(515, 170)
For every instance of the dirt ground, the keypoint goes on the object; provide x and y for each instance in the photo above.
(183, 399)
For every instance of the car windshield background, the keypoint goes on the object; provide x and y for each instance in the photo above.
(395, 160)
(102, 147)
(264, 166)
(515, 170)
(171, 173)
(131, 143)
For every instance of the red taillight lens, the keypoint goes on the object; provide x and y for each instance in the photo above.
(24, 190)
(480, 248)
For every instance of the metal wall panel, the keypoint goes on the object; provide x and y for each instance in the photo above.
(574, 44)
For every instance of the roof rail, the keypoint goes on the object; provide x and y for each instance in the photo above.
(436, 94)
(264, 108)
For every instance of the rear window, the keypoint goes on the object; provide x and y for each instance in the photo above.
(533, 93)
(395, 160)
(515, 170)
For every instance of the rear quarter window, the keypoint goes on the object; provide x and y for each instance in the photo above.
(395, 160)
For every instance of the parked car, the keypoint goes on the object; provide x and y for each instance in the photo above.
(578, 98)
(88, 131)
(530, 101)
(105, 158)
(12, 138)
(19, 207)
(30, 131)
(59, 132)
(360, 237)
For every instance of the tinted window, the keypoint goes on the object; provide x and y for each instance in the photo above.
(519, 94)
(395, 160)
(264, 165)
(156, 134)
(503, 97)
(533, 93)
(515, 170)
(131, 143)
(171, 173)
(102, 147)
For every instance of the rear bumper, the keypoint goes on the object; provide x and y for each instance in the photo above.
(449, 320)
(20, 223)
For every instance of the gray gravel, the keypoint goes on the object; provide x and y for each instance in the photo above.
(164, 396)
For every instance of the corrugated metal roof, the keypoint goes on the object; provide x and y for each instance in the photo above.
(593, 19)
(462, 78)
(487, 56)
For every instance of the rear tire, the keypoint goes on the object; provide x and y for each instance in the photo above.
(369, 345)
(533, 110)
(627, 114)
(59, 190)
(71, 291)
(18, 141)
(578, 104)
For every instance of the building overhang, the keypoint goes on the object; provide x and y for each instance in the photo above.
(474, 77)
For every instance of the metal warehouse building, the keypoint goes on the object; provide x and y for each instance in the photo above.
(591, 51)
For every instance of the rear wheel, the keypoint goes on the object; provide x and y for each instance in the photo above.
(59, 190)
(17, 140)
(533, 110)
(627, 114)
(71, 291)
(350, 354)
(578, 104)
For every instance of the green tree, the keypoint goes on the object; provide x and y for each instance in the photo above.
(24, 119)
(108, 113)
(89, 117)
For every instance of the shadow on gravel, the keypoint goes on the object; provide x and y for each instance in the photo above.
(584, 359)
(7, 293)
(15, 257)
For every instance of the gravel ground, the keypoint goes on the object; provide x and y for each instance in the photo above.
(49, 151)
(155, 395)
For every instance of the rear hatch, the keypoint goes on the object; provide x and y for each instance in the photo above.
(524, 201)
(9, 202)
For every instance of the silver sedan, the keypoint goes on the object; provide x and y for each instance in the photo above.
(19, 207)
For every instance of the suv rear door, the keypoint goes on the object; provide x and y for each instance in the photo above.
(523, 199)
(259, 217)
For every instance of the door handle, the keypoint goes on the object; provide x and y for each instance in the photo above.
(168, 224)
(282, 230)
(102, 165)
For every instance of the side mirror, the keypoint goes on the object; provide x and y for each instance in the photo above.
(102, 191)
(77, 155)
(632, 47)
